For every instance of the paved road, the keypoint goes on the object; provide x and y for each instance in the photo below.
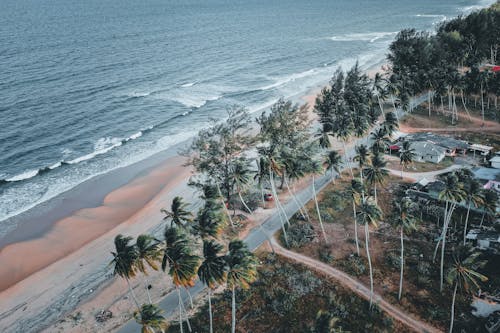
(256, 236)
(357, 287)
(429, 175)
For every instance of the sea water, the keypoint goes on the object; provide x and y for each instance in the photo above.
(90, 86)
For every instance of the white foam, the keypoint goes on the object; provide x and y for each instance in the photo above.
(280, 81)
(187, 85)
(102, 146)
(55, 165)
(134, 136)
(24, 175)
(369, 36)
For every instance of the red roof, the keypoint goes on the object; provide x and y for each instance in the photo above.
(394, 147)
(496, 68)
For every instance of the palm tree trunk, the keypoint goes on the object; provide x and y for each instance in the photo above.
(355, 226)
(147, 291)
(276, 200)
(317, 209)
(347, 159)
(190, 298)
(133, 294)
(466, 222)
(367, 241)
(453, 308)
(482, 102)
(262, 195)
(180, 309)
(395, 110)
(294, 198)
(375, 192)
(429, 102)
(244, 203)
(225, 207)
(187, 317)
(210, 310)
(233, 312)
(401, 264)
(380, 105)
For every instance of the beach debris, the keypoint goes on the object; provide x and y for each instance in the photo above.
(103, 315)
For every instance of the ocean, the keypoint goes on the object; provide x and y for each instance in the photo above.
(90, 86)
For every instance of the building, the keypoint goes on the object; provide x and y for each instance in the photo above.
(486, 174)
(492, 185)
(484, 240)
(451, 146)
(427, 152)
(495, 162)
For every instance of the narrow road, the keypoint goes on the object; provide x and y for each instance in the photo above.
(429, 175)
(356, 286)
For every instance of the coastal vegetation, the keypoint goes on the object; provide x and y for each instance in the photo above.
(238, 166)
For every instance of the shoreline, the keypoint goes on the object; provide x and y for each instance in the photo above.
(34, 282)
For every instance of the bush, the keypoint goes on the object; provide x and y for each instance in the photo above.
(355, 265)
(325, 254)
(393, 260)
(299, 234)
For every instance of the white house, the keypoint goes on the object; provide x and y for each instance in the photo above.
(428, 152)
(495, 162)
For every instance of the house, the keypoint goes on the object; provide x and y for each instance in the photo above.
(492, 185)
(486, 174)
(484, 240)
(427, 152)
(451, 146)
(495, 162)
(480, 149)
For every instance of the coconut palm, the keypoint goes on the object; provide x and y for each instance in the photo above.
(148, 254)
(209, 221)
(452, 194)
(390, 125)
(212, 271)
(489, 203)
(380, 140)
(473, 196)
(406, 156)
(181, 263)
(241, 176)
(343, 134)
(362, 157)
(124, 259)
(150, 318)
(241, 271)
(261, 176)
(376, 172)
(462, 276)
(355, 191)
(369, 213)
(178, 214)
(379, 90)
(333, 160)
(406, 222)
(317, 205)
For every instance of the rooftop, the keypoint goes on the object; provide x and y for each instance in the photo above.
(486, 173)
(441, 140)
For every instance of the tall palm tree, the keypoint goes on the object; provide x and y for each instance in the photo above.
(333, 160)
(241, 176)
(473, 196)
(463, 277)
(355, 191)
(452, 194)
(178, 214)
(390, 125)
(379, 90)
(343, 134)
(376, 172)
(380, 140)
(150, 318)
(406, 156)
(489, 203)
(369, 213)
(209, 221)
(362, 157)
(261, 176)
(212, 271)
(406, 222)
(181, 263)
(148, 254)
(124, 259)
(241, 271)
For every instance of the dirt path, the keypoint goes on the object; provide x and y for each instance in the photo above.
(356, 286)
(430, 175)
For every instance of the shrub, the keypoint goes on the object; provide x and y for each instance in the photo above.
(300, 233)
(354, 265)
(393, 260)
(325, 254)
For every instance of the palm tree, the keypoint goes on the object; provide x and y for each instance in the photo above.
(369, 213)
(343, 134)
(463, 276)
(406, 222)
(178, 214)
(355, 191)
(378, 88)
(241, 271)
(333, 160)
(181, 263)
(362, 157)
(148, 254)
(209, 221)
(452, 193)
(473, 196)
(380, 140)
(489, 203)
(241, 176)
(375, 172)
(390, 124)
(406, 156)
(261, 176)
(150, 318)
(212, 271)
(124, 260)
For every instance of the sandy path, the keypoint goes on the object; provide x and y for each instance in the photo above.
(357, 287)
